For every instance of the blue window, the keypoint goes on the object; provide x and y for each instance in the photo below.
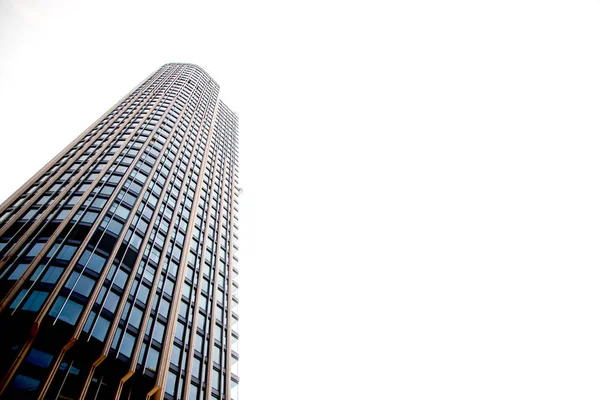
(107, 190)
(24, 383)
(38, 271)
(70, 312)
(18, 299)
(94, 261)
(35, 300)
(136, 316)
(179, 331)
(216, 379)
(66, 253)
(88, 323)
(127, 344)
(121, 278)
(111, 301)
(52, 274)
(39, 358)
(164, 308)
(89, 217)
(17, 272)
(136, 241)
(171, 381)
(122, 212)
(99, 202)
(175, 355)
(101, 328)
(193, 391)
(152, 360)
(115, 227)
(143, 293)
(84, 286)
(159, 330)
(196, 368)
(35, 249)
(61, 215)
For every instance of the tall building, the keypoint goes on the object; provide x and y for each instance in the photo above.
(118, 272)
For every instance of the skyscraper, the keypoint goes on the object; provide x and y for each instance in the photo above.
(118, 272)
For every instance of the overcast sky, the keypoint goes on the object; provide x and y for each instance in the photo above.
(421, 206)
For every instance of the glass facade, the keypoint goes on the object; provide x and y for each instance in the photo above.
(118, 266)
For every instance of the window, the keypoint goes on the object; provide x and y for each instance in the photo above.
(17, 272)
(143, 293)
(111, 301)
(89, 217)
(62, 214)
(120, 279)
(70, 312)
(136, 241)
(159, 330)
(196, 368)
(29, 214)
(175, 355)
(35, 249)
(136, 316)
(101, 328)
(187, 290)
(122, 212)
(203, 302)
(216, 354)
(142, 225)
(183, 309)
(219, 313)
(168, 289)
(88, 322)
(171, 381)
(179, 330)
(107, 190)
(164, 308)
(94, 261)
(193, 392)
(115, 227)
(39, 358)
(66, 253)
(99, 202)
(84, 286)
(35, 300)
(127, 344)
(216, 379)
(24, 383)
(152, 360)
(52, 274)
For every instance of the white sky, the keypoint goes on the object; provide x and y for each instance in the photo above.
(421, 207)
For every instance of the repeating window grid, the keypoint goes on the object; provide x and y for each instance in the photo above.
(140, 133)
(97, 162)
(188, 333)
(198, 372)
(190, 185)
(213, 306)
(64, 174)
(149, 328)
(117, 336)
(101, 300)
(186, 327)
(65, 159)
(100, 186)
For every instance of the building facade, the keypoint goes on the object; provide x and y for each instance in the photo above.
(118, 273)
